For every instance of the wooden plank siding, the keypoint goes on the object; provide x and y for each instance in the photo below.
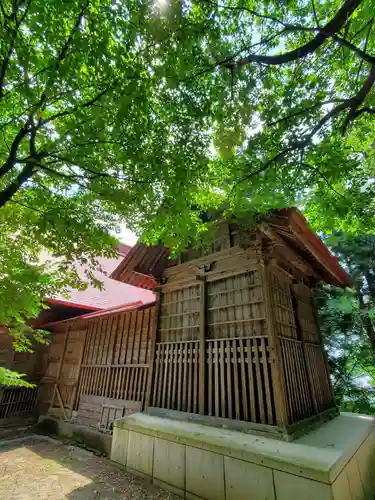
(233, 335)
(232, 326)
(115, 366)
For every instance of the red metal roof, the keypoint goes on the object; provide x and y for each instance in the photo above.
(99, 314)
(113, 294)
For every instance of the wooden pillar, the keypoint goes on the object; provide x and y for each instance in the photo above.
(57, 380)
(202, 344)
(76, 394)
(278, 377)
(151, 360)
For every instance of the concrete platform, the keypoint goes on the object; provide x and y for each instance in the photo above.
(91, 438)
(333, 462)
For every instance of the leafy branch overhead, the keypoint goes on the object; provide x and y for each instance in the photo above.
(151, 113)
(123, 102)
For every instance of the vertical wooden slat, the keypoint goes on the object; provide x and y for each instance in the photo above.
(210, 386)
(152, 351)
(156, 364)
(243, 381)
(125, 338)
(216, 382)
(174, 376)
(223, 387)
(119, 339)
(288, 379)
(202, 346)
(267, 386)
(277, 370)
(179, 350)
(196, 388)
(259, 382)
(127, 383)
(235, 379)
(165, 375)
(228, 350)
(190, 376)
(185, 349)
(253, 409)
(169, 367)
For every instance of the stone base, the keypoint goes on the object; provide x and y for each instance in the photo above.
(334, 462)
(91, 438)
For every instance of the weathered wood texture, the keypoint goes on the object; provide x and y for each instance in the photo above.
(22, 362)
(115, 365)
(234, 335)
(17, 402)
(249, 349)
(100, 366)
(306, 377)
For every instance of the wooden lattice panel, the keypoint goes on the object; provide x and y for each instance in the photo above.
(176, 376)
(296, 379)
(306, 314)
(236, 306)
(282, 305)
(17, 401)
(120, 339)
(239, 383)
(319, 377)
(116, 360)
(179, 314)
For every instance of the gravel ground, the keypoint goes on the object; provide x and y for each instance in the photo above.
(39, 468)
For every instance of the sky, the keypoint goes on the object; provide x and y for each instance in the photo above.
(126, 236)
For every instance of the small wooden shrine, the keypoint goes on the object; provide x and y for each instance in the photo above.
(232, 337)
(237, 333)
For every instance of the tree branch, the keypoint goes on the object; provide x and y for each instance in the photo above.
(358, 99)
(314, 12)
(25, 174)
(11, 160)
(76, 108)
(332, 27)
(303, 111)
(13, 36)
(370, 111)
(351, 103)
(249, 11)
(343, 41)
(63, 52)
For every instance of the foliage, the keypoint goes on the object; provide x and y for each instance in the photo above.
(11, 378)
(153, 113)
(347, 325)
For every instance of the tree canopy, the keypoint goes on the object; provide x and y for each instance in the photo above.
(152, 112)
(347, 324)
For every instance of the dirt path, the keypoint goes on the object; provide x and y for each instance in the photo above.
(38, 468)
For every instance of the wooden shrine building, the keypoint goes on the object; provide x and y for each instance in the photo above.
(233, 335)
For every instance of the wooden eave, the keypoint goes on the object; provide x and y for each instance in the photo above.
(292, 226)
(144, 265)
